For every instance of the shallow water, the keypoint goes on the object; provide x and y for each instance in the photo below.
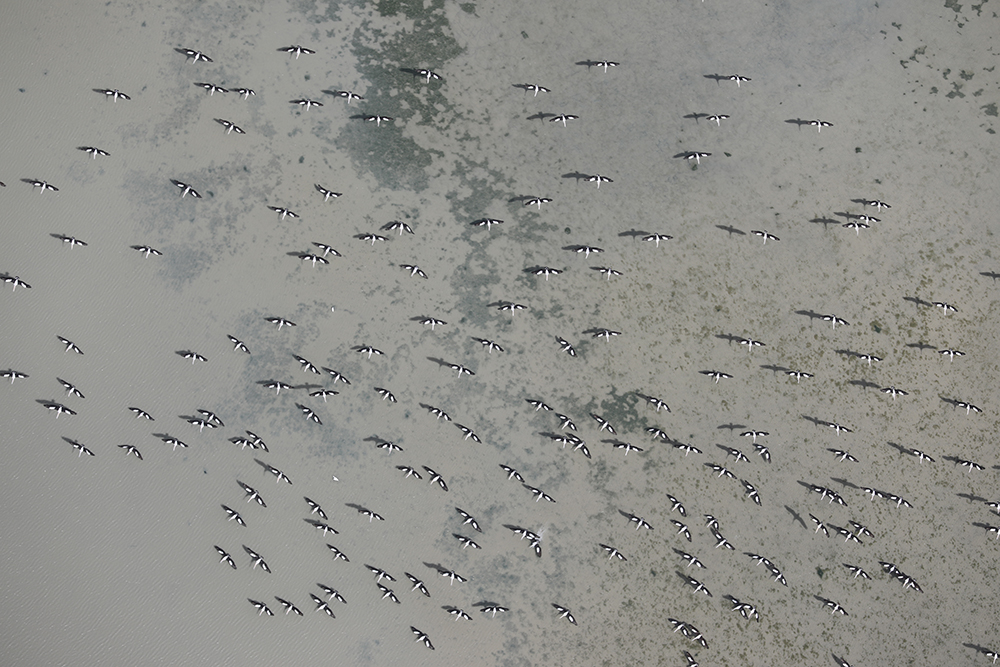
(109, 560)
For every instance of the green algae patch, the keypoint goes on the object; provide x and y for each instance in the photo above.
(388, 53)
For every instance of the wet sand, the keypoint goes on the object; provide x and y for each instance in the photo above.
(109, 560)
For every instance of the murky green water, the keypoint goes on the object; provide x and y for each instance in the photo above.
(110, 560)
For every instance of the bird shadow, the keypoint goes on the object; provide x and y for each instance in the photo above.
(627, 515)
(815, 421)
(508, 526)
(864, 384)
(917, 301)
(520, 199)
(731, 427)
(716, 77)
(634, 233)
(844, 484)
(730, 451)
(485, 603)
(840, 661)
(523, 86)
(730, 338)
(541, 115)
(438, 567)
(577, 175)
(696, 116)
(990, 274)
(307, 386)
(980, 649)
(731, 230)
(593, 331)
(535, 269)
(797, 121)
(898, 447)
(684, 577)
(774, 368)
(971, 497)
(921, 345)
(796, 517)
(825, 222)
(811, 314)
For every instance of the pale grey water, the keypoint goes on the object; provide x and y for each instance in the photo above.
(109, 560)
